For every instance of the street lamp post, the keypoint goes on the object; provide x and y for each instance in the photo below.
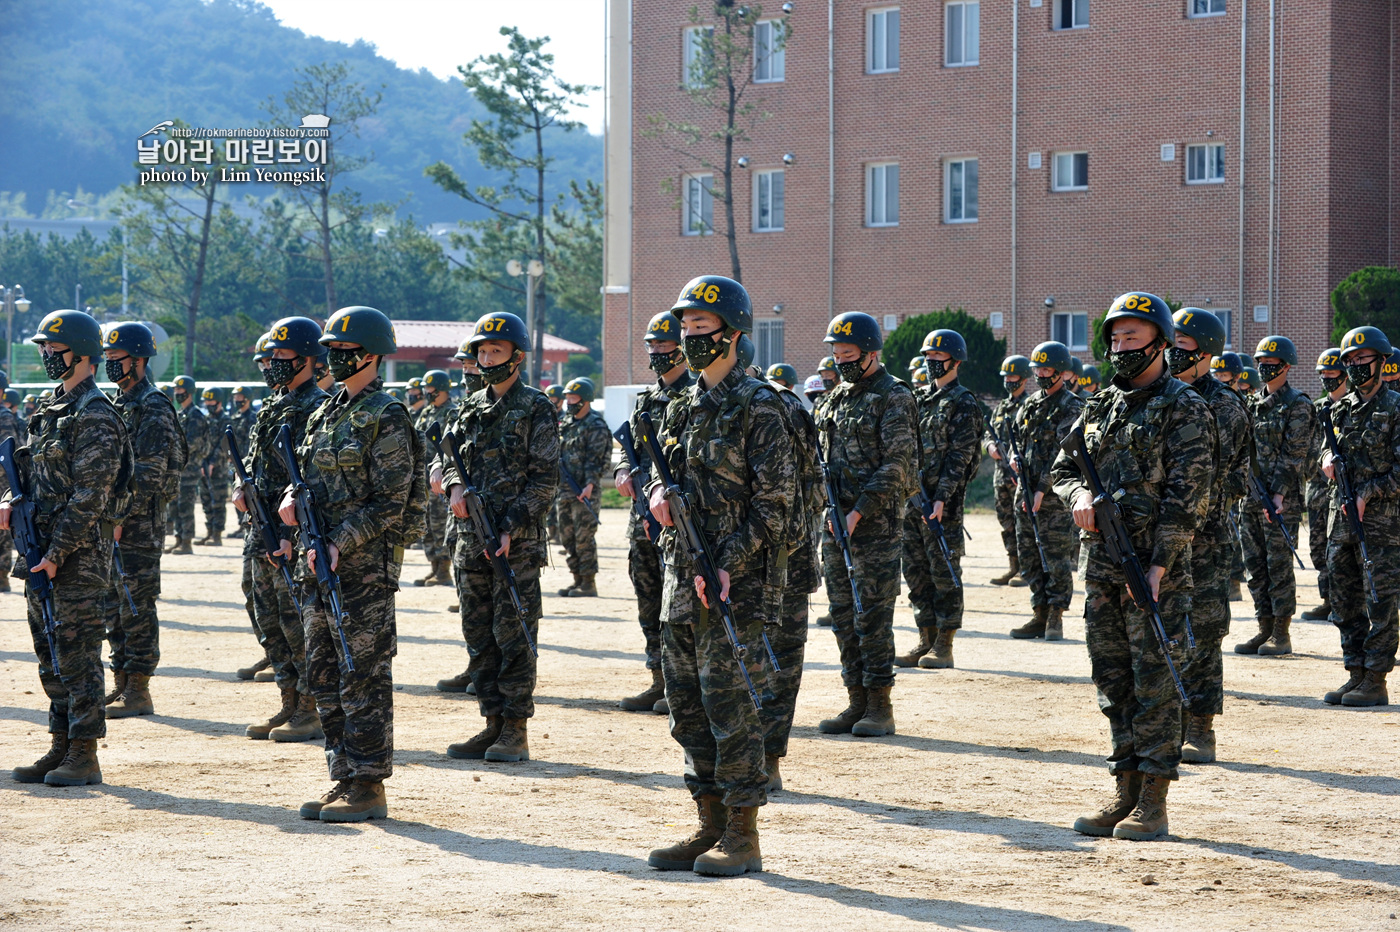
(533, 272)
(14, 301)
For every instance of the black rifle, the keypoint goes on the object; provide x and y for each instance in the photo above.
(1024, 483)
(699, 551)
(310, 523)
(837, 520)
(1108, 518)
(1266, 501)
(485, 528)
(262, 522)
(26, 535)
(577, 489)
(639, 479)
(1347, 495)
(920, 500)
(121, 574)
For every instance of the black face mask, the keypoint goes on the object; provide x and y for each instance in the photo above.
(181, 397)
(1179, 360)
(267, 378)
(937, 368)
(1331, 383)
(852, 371)
(1047, 382)
(282, 371)
(1132, 363)
(829, 383)
(574, 410)
(472, 381)
(1012, 387)
(55, 366)
(495, 375)
(1269, 371)
(701, 350)
(345, 363)
(116, 368)
(1359, 374)
(662, 363)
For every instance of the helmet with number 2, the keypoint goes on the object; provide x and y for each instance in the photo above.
(723, 297)
(858, 328)
(1140, 305)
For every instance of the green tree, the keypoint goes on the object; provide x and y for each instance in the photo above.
(1369, 296)
(982, 371)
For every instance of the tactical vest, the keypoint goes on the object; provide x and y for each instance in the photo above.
(134, 412)
(51, 448)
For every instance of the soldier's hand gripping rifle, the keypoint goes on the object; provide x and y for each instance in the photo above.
(699, 551)
(1108, 518)
(309, 521)
(485, 528)
(577, 489)
(121, 574)
(1023, 481)
(26, 536)
(1266, 501)
(921, 501)
(262, 523)
(837, 519)
(639, 479)
(1346, 496)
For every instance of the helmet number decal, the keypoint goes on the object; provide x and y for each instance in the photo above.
(1273, 345)
(281, 333)
(1041, 357)
(56, 325)
(707, 293)
(1186, 318)
(843, 329)
(492, 325)
(345, 324)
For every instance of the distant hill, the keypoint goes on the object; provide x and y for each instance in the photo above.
(81, 79)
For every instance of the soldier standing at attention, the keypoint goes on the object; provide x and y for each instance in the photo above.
(1199, 336)
(870, 426)
(1149, 435)
(472, 382)
(214, 486)
(645, 566)
(1319, 496)
(259, 670)
(1285, 430)
(1366, 425)
(728, 447)
(437, 389)
(11, 427)
(555, 394)
(1041, 424)
(950, 427)
(510, 447)
(413, 396)
(1090, 381)
(199, 443)
(585, 448)
(1227, 369)
(363, 461)
(242, 420)
(1015, 377)
(159, 447)
(75, 462)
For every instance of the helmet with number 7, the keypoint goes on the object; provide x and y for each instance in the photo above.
(1206, 328)
(366, 327)
(501, 325)
(723, 297)
(1142, 306)
(858, 328)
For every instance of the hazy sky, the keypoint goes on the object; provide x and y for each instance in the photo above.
(440, 35)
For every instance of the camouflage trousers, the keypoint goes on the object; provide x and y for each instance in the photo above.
(435, 529)
(1368, 628)
(789, 641)
(1005, 489)
(1318, 501)
(1268, 562)
(501, 665)
(213, 495)
(356, 709)
(275, 618)
(7, 553)
(578, 530)
(76, 693)
(866, 640)
(184, 505)
(1060, 540)
(135, 638)
(1203, 673)
(647, 572)
(937, 602)
(247, 586)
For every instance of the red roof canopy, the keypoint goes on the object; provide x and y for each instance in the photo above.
(436, 341)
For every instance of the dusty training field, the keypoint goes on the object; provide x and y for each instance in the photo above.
(960, 821)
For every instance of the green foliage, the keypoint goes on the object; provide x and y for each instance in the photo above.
(580, 366)
(1367, 297)
(981, 372)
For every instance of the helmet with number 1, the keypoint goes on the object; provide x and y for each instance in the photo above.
(1331, 358)
(301, 335)
(554, 391)
(723, 297)
(582, 387)
(1052, 355)
(1140, 305)
(858, 328)
(1016, 367)
(1207, 329)
(501, 325)
(1277, 347)
(1359, 338)
(80, 332)
(436, 380)
(1227, 362)
(363, 326)
(664, 327)
(945, 341)
(130, 337)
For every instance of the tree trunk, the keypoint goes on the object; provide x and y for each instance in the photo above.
(192, 317)
(537, 357)
(730, 233)
(325, 239)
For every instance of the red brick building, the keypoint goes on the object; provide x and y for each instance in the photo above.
(1047, 156)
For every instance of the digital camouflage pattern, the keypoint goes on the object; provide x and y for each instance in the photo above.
(215, 486)
(1004, 480)
(1317, 498)
(435, 535)
(1044, 421)
(1285, 431)
(1155, 444)
(585, 451)
(11, 427)
(198, 443)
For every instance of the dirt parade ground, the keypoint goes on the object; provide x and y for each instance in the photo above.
(959, 821)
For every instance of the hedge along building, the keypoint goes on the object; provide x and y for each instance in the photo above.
(1027, 160)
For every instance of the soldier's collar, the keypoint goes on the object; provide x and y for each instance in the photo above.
(62, 399)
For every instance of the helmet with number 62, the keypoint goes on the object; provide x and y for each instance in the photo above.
(1142, 306)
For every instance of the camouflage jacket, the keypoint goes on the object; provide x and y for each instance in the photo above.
(158, 444)
(214, 425)
(1154, 444)
(260, 458)
(242, 423)
(998, 426)
(198, 437)
(1231, 457)
(809, 497)
(585, 450)
(870, 431)
(431, 414)
(651, 400)
(1284, 435)
(1042, 423)
(71, 467)
(11, 427)
(950, 426)
(1368, 437)
(1318, 493)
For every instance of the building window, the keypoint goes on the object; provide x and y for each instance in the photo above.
(1071, 171)
(882, 195)
(1071, 329)
(1224, 315)
(1071, 14)
(960, 191)
(1207, 7)
(882, 40)
(1205, 164)
(697, 54)
(768, 196)
(699, 205)
(961, 33)
(768, 343)
(769, 51)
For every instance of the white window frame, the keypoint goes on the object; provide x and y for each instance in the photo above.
(692, 49)
(763, 193)
(768, 342)
(950, 168)
(877, 177)
(1227, 318)
(1192, 5)
(1070, 318)
(767, 33)
(701, 186)
(877, 19)
(970, 11)
(1055, 171)
(1079, 13)
(1212, 161)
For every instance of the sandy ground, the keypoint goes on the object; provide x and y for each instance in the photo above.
(960, 821)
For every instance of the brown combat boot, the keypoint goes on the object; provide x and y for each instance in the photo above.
(513, 745)
(1266, 630)
(1199, 745)
(1318, 612)
(736, 852)
(1148, 820)
(247, 673)
(1128, 784)
(265, 676)
(304, 725)
(444, 572)
(879, 715)
(772, 764)
(431, 579)
(1034, 628)
(37, 771)
(564, 593)
(474, 748)
(259, 730)
(1054, 623)
(587, 587)
(364, 799)
(1370, 692)
(182, 546)
(1235, 594)
(942, 656)
(312, 809)
(204, 541)
(1279, 643)
(4, 582)
(714, 816)
(135, 698)
(1354, 677)
(925, 645)
(216, 538)
(79, 767)
(455, 684)
(645, 701)
(1005, 578)
(662, 707)
(118, 685)
(847, 717)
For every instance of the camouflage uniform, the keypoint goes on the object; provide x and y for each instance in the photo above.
(585, 447)
(71, 466)
(11, 427)
(363, 461)
(198, 440)
(729, 451)
(1155, 443)
(435, 536)
(999, 424)
(510, 447)
(214, 487)
(1317, 498)
(1284, 434)
(871, 430)
(242, 423)
(159, 447)
(1043, 422)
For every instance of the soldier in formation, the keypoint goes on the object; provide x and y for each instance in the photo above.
(585, 451)
(199, 441)
(437, 390)
(1016, 380)
(214, 481)
(1318, 497)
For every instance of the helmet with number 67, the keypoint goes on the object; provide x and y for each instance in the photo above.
(501, 325)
